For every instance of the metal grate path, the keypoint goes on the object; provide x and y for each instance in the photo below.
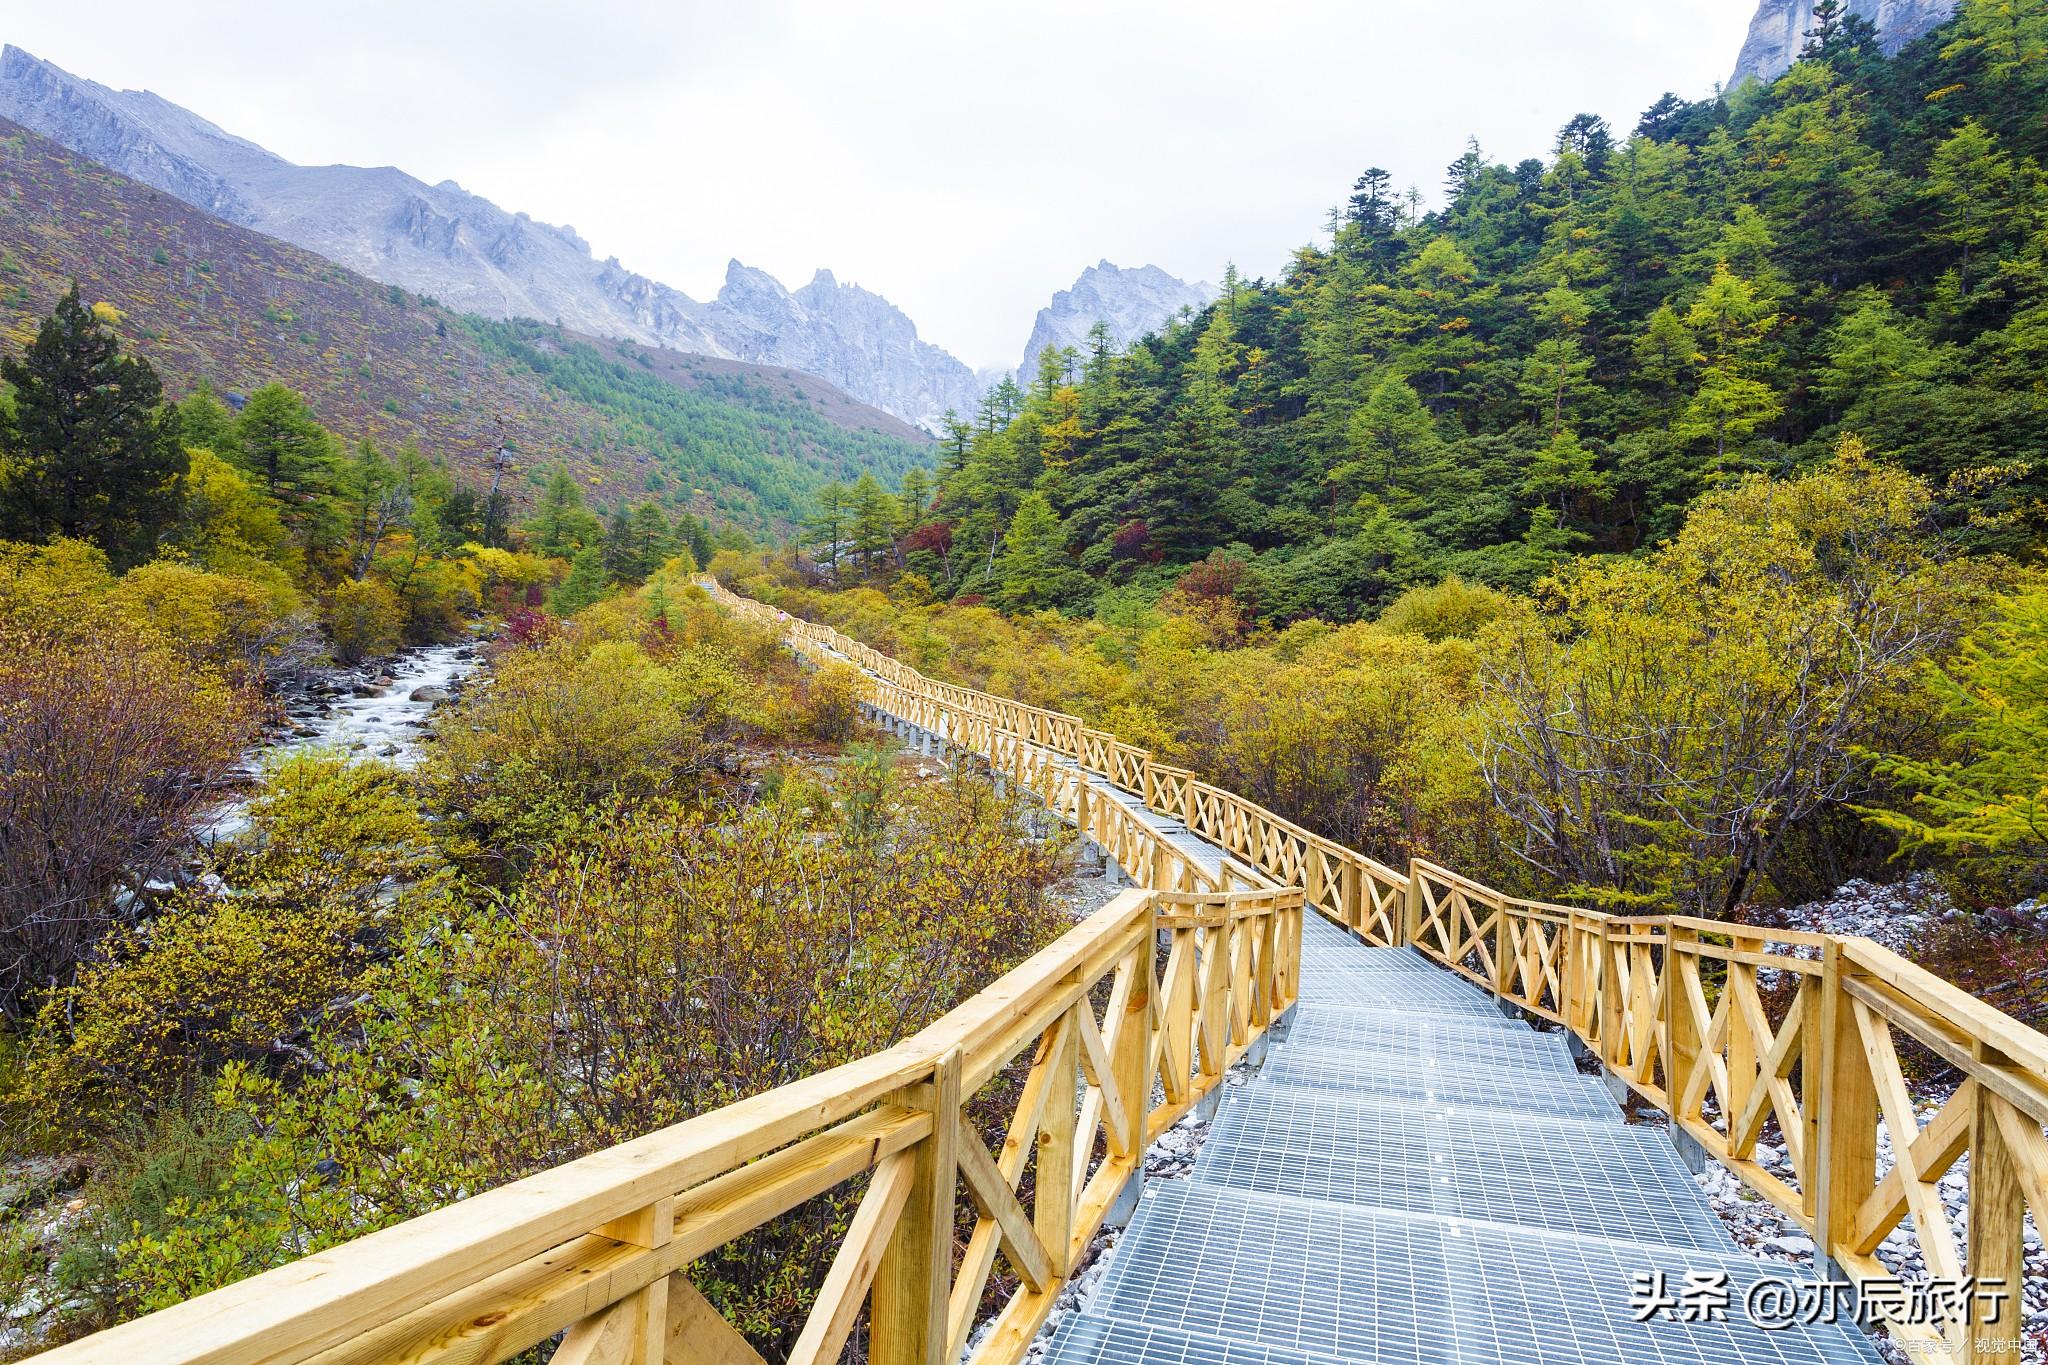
(1414, 1178)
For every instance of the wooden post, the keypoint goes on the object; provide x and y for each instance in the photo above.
(1846, 1161)
(1739, 986)
(1998, 1210)
(1350, 895)
(1267, 992)
(907, 1322)
(1412, 905)
(1571, 1004)
(633, 1331)
(1132, 1059)
(1681, 1032)
(1503, 948)
(1811, 1001)
(1053, 1175)
(1613, 1032)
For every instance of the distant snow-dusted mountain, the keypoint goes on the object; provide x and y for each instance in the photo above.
(465, 251)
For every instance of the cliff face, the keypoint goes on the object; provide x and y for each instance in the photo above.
(465, 251)
(1778, 31)
(1131, 303)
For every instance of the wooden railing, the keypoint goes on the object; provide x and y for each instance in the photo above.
(1750, 1039)
(1747, 1037)
(599, 1248)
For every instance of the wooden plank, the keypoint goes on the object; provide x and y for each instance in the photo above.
(854, 1268)
(1934, 1150)
(908, 1323)
(1847, 1165)
(1101, 1071)
(1053, 1199)
(1999, 1031)
(1930, 1217)
(1998, 1251)
(998, 1202)
(606, 1338)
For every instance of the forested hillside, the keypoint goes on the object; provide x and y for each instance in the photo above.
(207, 301)
(1560, 359)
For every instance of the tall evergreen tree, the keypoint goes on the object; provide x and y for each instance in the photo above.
(87, 450)
(561, 524)
(293, 457)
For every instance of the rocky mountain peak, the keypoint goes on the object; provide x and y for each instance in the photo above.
(469, 253)
(1131, 301)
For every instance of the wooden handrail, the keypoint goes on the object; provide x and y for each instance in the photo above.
(1675, 1007)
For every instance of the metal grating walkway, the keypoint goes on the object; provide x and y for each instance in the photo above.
(1414, 1178)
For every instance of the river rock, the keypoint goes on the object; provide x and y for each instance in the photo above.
(432, 694)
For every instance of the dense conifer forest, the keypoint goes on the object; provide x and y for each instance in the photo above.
(1558, 360)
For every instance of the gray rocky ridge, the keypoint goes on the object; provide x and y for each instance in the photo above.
(465, 251)
(1131, 301)
(1778, 31)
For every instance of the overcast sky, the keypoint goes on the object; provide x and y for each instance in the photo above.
(963, 159)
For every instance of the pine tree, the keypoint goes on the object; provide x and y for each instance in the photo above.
(1730, 403)
(1664, 354)
(206, 423)
(585, 586)
(653, 541)
(1392, 431)
(1967, 177)
(1034, 571)
(621, 562)
(874, 522)
(915, 493)
(283, 446)
(87, 451)
(1563, 474)
(827, 523)
(293, 457)
(561, 524)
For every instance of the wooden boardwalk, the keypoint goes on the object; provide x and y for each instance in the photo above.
(1414, 1178)
(1418, 1172)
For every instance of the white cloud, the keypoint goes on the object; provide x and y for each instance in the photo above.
(963, 159)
